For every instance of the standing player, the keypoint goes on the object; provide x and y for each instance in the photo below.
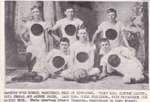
(68, 25)
(34, 38)
(112, 30)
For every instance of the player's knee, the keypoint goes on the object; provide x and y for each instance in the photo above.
(67, 75)
(28, 55)
(133, 80)
(64, 74)
(94, 71)
(110, 70)
(139, 78)
(126, 80)
(30, 74)
(38, 78)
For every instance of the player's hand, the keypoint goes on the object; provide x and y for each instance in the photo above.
(102, 75)
(132, 49)
(49, 30)
(28, 43)
(132, 52)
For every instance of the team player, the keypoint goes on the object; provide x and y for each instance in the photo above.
(122, 60)
(55, 62)
(68, 25)
(82, 59)
(112, 30)
(102, 49)
(33, 37)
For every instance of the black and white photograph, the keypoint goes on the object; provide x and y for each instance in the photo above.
(76, 45)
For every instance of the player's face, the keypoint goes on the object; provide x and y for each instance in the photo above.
(36, 13)
(105, 45)
(69, 13)
(82, 35)
(111, 16)
(64, 46)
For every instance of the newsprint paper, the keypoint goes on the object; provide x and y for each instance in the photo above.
(74, 51)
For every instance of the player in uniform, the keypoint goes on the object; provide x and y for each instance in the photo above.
(55, 62)
(122, 60)
(82, 59)
(112, 30)
(102, 49)
(68, 25)
(34, 38)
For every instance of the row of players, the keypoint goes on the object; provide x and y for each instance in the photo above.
(79, 65)
(77, 62)
(70, 24)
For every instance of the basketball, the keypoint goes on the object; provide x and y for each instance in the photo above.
(80, 74)
(111, 34)
(58, 61)
(36, 29)
(114, 60)
(70, 29)
(82, 57)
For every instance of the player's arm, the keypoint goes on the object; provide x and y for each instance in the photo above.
(98, 31)
(25, 36)
(50, 30)
(50, 55)
(71, 58)
(123, 32)
(131, 29)
(104, 68)
(81, 24)
(56, 26)
(92, 54)
(125, 40)
(56, 37)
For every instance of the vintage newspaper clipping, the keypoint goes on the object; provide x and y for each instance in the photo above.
(74, 51)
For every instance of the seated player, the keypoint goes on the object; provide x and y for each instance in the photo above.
(123, 60)
(102, 49)
(56, 61)
(82, 59)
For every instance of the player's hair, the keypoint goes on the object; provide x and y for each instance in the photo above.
(64, 39)
(68, 7)
(109, 10)
(34, 7)
(104, 40)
